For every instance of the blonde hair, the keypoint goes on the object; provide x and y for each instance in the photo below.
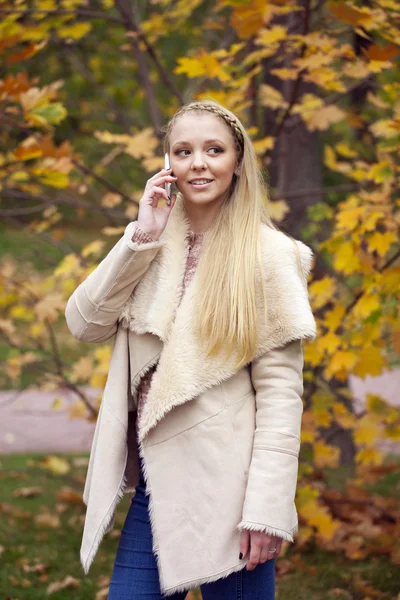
(230, 263)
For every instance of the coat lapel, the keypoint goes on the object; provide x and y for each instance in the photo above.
(183, 370)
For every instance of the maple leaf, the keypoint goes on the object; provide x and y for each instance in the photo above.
(271, 97)
(324, 117)
(381, 242)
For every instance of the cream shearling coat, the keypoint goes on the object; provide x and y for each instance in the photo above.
(220, 446)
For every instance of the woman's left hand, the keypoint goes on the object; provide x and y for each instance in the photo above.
(259, 544)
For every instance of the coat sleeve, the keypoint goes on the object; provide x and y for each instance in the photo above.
(93, 309)
(277, 378)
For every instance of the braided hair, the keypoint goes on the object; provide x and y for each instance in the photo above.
(215, 109)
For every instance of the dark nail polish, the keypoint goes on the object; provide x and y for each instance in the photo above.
(241, 556)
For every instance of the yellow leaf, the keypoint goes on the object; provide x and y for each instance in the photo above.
(366, 305)
(113, 230)
(378, 405)
(278, 209)
(285, 73)
(323, 418)
(140, 145)
(334, 317)
(50, 307)
(314, 61)
(55, 464)
(75, 32)
(249, 17)
(385, 128)
(330, 158)
(143, 144)
(342, 360)
(324, 117)
(22, 313)
(52, 178)
(57, 403)
(370, 456)
(271, 97)
(322, 291)
(306, 495)
(98, 380)
(351, 15)
(326, 526)
(82, 369)
(345, 418)
(272, 35)
(357, 69)
(368, 429)
(94, 248)
(326, 78)
(103, 355)
(370, 362)
(47, 521)
(77, 410)
(202, 65)
(329, 342)
(381, 171)
(381, 242)
(309, 103)
(326, 456)
(67, 582)
(111, 199)
(153, 163)
(344, 149)
(267, 143)
(70, 265)
(346, 258)
(312, 355)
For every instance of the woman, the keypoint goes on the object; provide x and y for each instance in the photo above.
(201, 412)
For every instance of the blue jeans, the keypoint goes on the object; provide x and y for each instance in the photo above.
(135, 573)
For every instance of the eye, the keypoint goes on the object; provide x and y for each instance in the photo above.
(179, 152)
(217, 149)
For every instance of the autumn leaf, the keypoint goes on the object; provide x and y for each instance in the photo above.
(55, 464)
(68, 582)
(49, 307)
(47, 521)
(324, 117)
(202, 65)
(271, 97)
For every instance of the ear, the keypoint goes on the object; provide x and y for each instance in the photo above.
(238, 169)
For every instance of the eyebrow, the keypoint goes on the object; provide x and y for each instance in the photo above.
(213, 141)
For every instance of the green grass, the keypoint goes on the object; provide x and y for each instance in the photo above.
(26, 542)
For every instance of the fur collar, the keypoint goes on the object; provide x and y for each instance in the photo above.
(183, 371)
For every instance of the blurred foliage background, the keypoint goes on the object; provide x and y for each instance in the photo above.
(85, 90)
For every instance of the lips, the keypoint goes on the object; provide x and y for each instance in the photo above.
(202, 181)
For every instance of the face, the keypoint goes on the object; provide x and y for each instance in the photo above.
(203, 158)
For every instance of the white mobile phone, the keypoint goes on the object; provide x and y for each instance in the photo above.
(167, 166)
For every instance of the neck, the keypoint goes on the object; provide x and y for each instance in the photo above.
(201, 216)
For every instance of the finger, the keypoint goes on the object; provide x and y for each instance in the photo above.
(255, 551)
(244, 543)
(164, 179)
(155, 193)
(278, 546)
(170, 203)
(265, 554)
(159, 174)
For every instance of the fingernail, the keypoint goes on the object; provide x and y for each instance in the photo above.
(240, 556)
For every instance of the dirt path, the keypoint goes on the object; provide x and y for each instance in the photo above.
(29, 424)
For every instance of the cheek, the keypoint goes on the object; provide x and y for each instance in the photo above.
(227, 169)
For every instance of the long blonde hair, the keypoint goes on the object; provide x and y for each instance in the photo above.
(230, 266)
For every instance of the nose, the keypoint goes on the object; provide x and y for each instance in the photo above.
(198, 162)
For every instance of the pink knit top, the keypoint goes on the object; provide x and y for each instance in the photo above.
(192, 255)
